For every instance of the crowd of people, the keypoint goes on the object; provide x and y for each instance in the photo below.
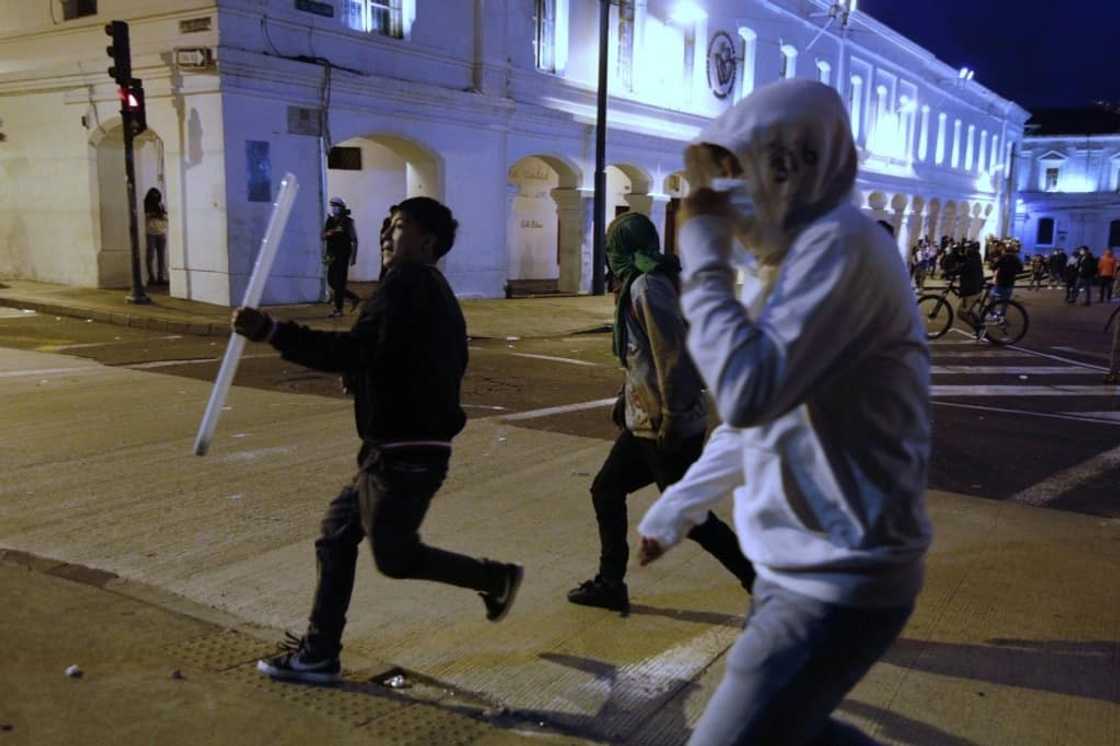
(1079, 274)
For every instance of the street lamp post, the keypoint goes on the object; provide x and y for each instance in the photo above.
(599, 228)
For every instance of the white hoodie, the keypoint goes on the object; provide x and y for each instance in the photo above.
(821, 373)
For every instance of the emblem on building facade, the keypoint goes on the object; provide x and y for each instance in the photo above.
(722, 64)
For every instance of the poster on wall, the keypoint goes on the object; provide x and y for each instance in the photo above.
(260, 170)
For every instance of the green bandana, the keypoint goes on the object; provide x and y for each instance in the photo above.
(633, 249)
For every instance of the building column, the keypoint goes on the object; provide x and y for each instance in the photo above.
(575, 212)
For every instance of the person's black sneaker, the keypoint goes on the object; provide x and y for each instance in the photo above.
(498, 605)
(354, 303)
(297, 662)
(604, 594)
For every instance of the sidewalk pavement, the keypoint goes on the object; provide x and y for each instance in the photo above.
(1015, 640)
(491, 318)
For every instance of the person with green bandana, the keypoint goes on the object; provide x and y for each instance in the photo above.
(662, 410)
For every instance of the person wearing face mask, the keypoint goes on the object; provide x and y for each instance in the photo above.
(820, 373)
(341, 254)
(661, 412)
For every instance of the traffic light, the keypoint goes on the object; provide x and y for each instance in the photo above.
(121, 71)
(132, 104)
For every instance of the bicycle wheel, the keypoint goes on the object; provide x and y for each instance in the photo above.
(1005, 322)
(937, 315)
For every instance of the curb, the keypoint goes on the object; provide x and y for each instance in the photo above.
(197, 328)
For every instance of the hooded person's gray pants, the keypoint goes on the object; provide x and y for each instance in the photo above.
(791, 668)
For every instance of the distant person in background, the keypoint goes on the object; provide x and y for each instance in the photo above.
(341, 254)
(1007, 267)
(155, 231)
(1086, 275)
(1106, 274)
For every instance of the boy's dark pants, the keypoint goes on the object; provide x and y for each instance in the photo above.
(634, 463)
(386, 501)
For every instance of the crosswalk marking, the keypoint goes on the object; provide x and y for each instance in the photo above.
(986, 354)
(1012, 370)
(1042, 390)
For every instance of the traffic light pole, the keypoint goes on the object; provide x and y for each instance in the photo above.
(137, 295)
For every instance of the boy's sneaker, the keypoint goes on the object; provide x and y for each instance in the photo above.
(297, 662)
(498, 605)
(602, 593)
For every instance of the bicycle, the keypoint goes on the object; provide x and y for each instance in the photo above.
(1000, 321)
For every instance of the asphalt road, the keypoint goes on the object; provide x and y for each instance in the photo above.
(1033, 423)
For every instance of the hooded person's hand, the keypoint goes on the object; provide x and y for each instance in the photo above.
(252, 323)
(649, 551)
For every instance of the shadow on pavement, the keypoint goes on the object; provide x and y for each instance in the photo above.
(1080, 669)
(687, 615)
(901, 728)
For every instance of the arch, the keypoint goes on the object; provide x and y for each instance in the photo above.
(388, 169)
(640, 179)
(569, 171)
(112, 243)
(533, 227)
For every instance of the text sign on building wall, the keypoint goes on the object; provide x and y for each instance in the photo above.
(320, 9)
(722, 64)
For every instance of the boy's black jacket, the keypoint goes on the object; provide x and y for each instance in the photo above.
(403, 360)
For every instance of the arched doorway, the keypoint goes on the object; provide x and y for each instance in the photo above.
(546, 216)
(676, 188)
(627, 189)
(371, 173)
(113, 256)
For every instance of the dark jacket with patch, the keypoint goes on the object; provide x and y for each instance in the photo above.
(403, 360)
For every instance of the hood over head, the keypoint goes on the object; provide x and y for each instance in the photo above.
(794, 143)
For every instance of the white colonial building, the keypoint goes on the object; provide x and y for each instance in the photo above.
(488, 105)
(1069, 181)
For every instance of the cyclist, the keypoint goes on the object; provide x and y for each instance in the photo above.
(965, 263)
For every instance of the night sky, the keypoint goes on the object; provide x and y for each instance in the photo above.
(1038, 53)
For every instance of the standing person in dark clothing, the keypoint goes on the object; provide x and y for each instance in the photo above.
(966, 264)
(1086, 275)
(661, 411)
(155, 231)
(1007, 267)
(1058, 262)
(342, 253)
(403, 361)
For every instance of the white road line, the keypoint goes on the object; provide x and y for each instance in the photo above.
(1043, 390)
(1110, 415)
(190, 361)
(548, 411)
(1055, 486)
(17, 313)
(986, 354)
(1033, 370)
(51, 371)
(1100, 418)
(1059, 358)
(570, 360)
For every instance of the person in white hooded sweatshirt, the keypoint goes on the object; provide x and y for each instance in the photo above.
(821, 377)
